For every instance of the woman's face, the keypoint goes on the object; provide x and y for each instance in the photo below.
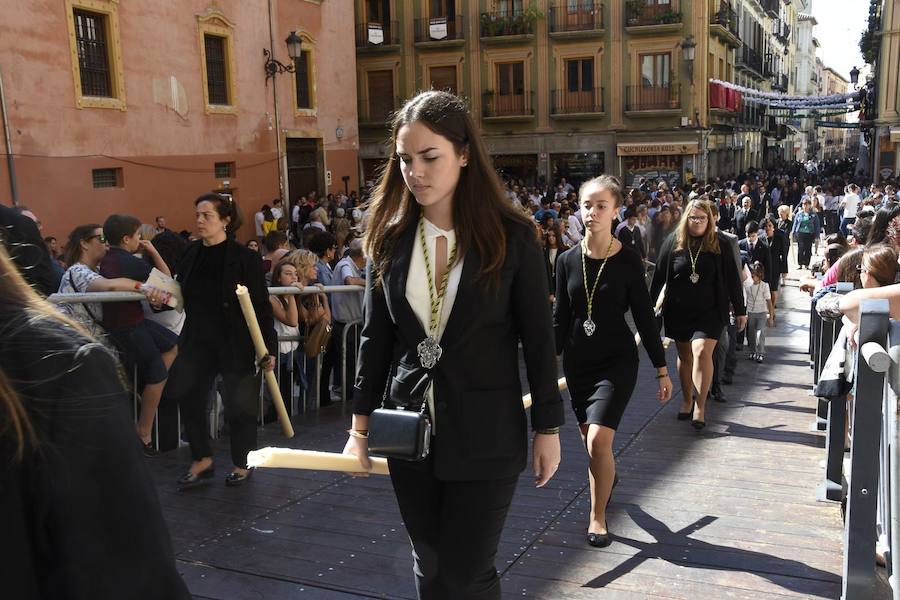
(253, 245)
(770, 229)
(698, 221)
(551, 239)
(309, 273)
(94, 248)
(288, 275)
(209, 224)
(429, 164)
(598, 207)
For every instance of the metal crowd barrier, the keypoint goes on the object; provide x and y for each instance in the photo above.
(167, 424)
(866, 481)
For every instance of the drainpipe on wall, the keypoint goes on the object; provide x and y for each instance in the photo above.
(285, 202)
(10, 165)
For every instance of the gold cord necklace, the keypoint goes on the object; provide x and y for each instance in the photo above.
(589, 326)
(429, 349)
(694, 276)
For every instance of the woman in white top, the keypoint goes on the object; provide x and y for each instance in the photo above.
(455, 282)
(85, 249)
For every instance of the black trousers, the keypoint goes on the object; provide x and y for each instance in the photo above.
(454, 527)
(832, 222)
(190, 381)
(804, 248)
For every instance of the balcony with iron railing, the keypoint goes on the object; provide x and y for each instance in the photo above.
(440, 30)
(664, 97)
(772, 7)
(749, 59)
(566, 20)
(641, 17)
(507, 106)
(377, 113)
(724, 24)
(514, 24)
(377, 35)
(751, 116)
(577, 103)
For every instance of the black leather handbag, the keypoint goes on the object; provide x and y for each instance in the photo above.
(402, 433)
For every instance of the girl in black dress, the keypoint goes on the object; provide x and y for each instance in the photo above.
(597, 282)
(701, 286)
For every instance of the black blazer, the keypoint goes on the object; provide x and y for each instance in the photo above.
(242, 266)
(481, 426)
(778, 251)
(760, 253)
(82, 515)
(551, 268)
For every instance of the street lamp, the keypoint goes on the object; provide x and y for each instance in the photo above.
(274, 67)
(688, 47)
(854, 77)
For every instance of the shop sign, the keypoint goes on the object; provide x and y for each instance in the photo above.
(659, 149)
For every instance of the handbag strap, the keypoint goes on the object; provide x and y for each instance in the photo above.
(84, 304)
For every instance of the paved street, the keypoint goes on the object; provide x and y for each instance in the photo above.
(726, 513)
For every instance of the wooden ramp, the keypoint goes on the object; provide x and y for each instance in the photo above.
(729, 512)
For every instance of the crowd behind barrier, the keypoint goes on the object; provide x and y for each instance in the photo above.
(167, 424)
(862, 443)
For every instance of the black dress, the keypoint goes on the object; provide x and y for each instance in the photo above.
(601, 370)
(697, 310)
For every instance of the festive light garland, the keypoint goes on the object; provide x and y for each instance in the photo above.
(789, 101)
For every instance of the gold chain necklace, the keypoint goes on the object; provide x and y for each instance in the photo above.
(429, 350)
(589, 326)
(694, 276)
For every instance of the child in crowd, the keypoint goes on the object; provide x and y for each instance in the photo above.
(760, 311)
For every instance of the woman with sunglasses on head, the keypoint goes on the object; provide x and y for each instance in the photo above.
(702, 285)
(597, 282)
(84, 251)
(456, 280)
(215, 339)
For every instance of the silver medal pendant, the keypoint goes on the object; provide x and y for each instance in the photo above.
(694, 278)
(429, 352)
(589, 328)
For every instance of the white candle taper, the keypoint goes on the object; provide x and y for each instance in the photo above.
(289, 458)
(243, 296)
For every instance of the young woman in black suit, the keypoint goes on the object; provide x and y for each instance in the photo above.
(702, 285)
(455, 273)
(215, 339)
(597, 282)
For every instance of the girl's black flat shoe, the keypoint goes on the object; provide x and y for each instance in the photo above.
(235, 479)
(189, 480)
(698, 424)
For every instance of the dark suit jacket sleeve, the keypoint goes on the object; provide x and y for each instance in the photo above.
(531, 311)
(662, 267)
(376, 347)
(732, 283)
(259, 295)
(562, 309)
(25, 246)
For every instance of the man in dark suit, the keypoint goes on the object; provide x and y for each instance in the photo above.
(724, 357)
(727, 213)
(755, 247)
(21, 237)
(743, 215)
(629, 234)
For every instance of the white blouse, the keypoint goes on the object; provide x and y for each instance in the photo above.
(417, 288)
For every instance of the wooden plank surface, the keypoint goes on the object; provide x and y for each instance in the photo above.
(728, 512)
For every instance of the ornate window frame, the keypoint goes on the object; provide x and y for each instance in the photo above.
(110, 10)
(214, 22)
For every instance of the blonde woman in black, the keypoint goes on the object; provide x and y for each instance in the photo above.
(597, 282)
(455, 281)
(701, 287)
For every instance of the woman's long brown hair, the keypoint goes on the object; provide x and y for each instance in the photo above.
(16, 296)
(479, 206)
(710, 241)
